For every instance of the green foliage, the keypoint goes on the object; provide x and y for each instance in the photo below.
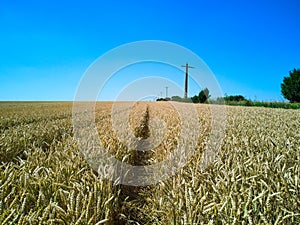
(290, 88)
(176, 98)
(283, 105)
(161, 99)
(236, 98)
(179, 99)
(246, 102)
(202, 97)
(195, 99)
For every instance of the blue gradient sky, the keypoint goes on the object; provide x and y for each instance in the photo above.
(46, 46)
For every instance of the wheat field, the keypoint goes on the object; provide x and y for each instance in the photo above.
(47, 179)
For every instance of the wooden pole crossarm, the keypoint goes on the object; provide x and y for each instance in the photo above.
(186, 79)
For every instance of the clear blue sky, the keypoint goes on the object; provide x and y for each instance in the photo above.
(46, 46)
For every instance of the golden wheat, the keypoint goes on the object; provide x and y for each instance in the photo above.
(45, 178)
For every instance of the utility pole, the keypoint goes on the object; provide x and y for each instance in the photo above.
(167, 92)
(186, 78)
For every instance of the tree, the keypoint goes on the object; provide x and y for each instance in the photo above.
(195, 99)
(203, 95)
(290, 88)
(161, 99)
(176, 98)
(234, 98)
